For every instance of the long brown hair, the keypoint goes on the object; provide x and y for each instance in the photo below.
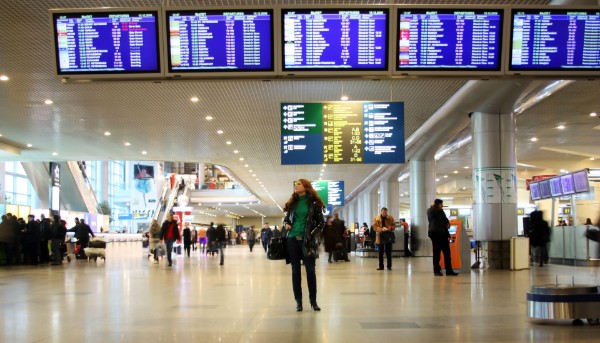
(312, 196)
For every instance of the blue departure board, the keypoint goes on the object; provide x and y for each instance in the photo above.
(107, 42)
(553, 39)
(444, 39)
(342, 132)
(224, 40)
(335, 39)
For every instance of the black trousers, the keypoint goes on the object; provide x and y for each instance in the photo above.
(186, 248)
(294, 247)
(44, 252)
(440, 244)
(387, 247)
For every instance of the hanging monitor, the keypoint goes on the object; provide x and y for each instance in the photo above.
(555, 187)
(222, 42)
(331, 192)
(106, 43)
(555, 41)
(545, 192)
(463, 41)
(567, 184)
(581, 182)
(342, 132)
(534, 189)
(335, 40)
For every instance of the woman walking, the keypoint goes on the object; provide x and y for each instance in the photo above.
(304, 223)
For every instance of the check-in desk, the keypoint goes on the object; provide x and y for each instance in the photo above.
(569, 246)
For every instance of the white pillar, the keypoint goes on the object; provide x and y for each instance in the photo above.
(422, 194)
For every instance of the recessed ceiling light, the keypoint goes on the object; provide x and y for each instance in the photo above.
(245, 165)
(324, 165)
(241, 158)
(228, 142)
(534, 139)
(466, 167)
(254, 175)
(220, 132)
(445, 176)
(436, 180)
(560, 127)
(344, 98)
(235, 151)
(29, 145)
(194, 99)
(455, 172)
(564, 171)
(107, 133)
(593, 114)
(144, 152)
(464, 188)
(127, 144)
(250, 170)
(591, 158)
(0, 135)
(4, 78)
(54, 153)
(209, 118)
(48, 102)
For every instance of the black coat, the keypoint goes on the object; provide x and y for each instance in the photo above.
(165, 227)
(438, 222)
(313, 228)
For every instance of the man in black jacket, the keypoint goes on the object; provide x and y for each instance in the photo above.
(438, 233)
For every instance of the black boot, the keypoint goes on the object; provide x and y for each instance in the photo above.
(298, 305)
(314, 306)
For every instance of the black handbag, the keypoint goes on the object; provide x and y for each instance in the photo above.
(276, 249)
(592, 234)
(387, 237)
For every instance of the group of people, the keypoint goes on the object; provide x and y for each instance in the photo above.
(27, 242)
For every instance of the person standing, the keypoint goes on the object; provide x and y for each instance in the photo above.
(384, 226)
(202, 239)
(45, 226)
(31, 241)
(304, 224)
(187, 240)
(221, 241)
(343, 233)
(439, 235)
(276, 232)
(251, 236)
(211, 237)
(405, 227)
(169, 233)
(331, 238)
(194, 238)
(58, 233)
(154, 239)
(265, 236)
(539, 236)
(82, 233)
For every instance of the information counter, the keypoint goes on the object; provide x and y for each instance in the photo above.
(569, 246)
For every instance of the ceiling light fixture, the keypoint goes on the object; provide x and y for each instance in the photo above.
(534, 139)
(194, 99)
(48, 102)
(445, 176)
(344, 98)
(54, 153)
(241, 158)
(437, 180)
(591, 158)
(209, 118)
(593, 114)
(235, 151)
(29, 145)
(228, 142)
(4, 78)
(107, 133)
(560, 127)
(144, 152)
(220, 132)
(127, 144)
(455, 172)
(245, 165)
(466, 167)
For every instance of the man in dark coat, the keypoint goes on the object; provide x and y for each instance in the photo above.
(265, 236)
(340, 227)
(439, 234)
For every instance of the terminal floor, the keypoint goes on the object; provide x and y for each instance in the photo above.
(128, 298)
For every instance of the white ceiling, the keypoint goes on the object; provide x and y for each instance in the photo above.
(158, 117)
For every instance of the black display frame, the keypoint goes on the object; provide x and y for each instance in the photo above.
(219, 72)
(451, 72)
(340, 72)
(78, 12)
(557, 72)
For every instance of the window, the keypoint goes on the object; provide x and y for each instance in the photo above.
(19, 190)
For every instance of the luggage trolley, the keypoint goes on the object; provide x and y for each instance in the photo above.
(96, 249)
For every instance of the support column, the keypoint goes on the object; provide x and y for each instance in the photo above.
(366, 200)
(494, 185)
(2, 183)
(422, 194)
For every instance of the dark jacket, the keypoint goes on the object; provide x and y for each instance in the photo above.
(187, 236)
(312, 230)
(438, 222)
(165, 227)
(59, 231)
(220, 234)
(266, 234)
(331, 237)
(539, 231)
(83, 231)
(211, 234)
(45, 229)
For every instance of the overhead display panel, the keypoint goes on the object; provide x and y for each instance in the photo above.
(107, 43)
(567, 184)
(545, 192)
(349, 39)
(581, 182)
(534, 189)
(331, 192)
(555, 41)
(342, 132)
(555, 187)
(431, 40)
(202, 41)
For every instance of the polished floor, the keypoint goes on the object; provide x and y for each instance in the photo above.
(128, 298)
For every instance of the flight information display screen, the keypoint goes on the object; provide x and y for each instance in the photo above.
(552, 39)
(332, 39)
(545, 192)
(534, 188)
(107, 42)
(581, 182)
(445, 39)
(342, 132)
(232, 40)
